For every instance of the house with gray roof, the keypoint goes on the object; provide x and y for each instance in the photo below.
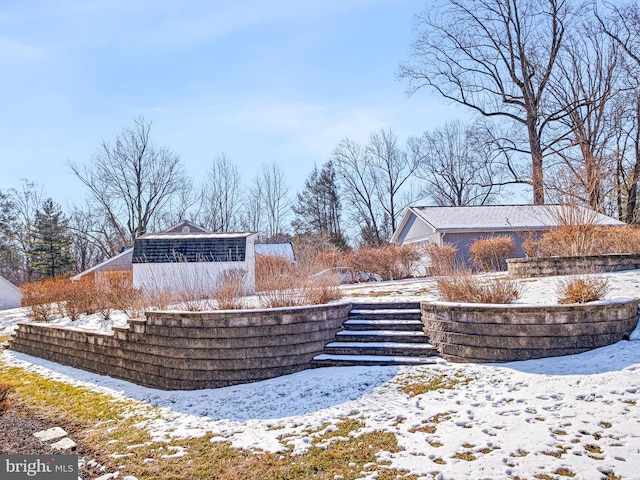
(461, 226)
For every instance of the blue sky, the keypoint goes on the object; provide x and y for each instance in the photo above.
(259, 80)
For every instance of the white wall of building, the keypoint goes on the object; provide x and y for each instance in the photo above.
(9, 295)
(193, 276)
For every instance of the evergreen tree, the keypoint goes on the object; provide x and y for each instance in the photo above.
(51, 250)
(317, 207)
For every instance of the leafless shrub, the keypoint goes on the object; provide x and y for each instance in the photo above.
(442, 258)
(390, 262)
(321, 289)
(490, 254)
(230, 289)
(297, 286)
(531, 244)
(462, 286)
(43, 299)
(576, 240)
(272, 269)
(582, 288)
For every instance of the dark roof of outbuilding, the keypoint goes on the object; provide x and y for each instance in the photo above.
(192, 247)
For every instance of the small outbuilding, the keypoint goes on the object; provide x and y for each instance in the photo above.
(10, 296)
(175, 261)
(461, 226)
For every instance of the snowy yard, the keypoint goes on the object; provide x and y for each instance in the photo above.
(575, 416)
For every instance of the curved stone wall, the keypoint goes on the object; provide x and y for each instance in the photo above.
(549, 266)
(466, 332)
(192, 350)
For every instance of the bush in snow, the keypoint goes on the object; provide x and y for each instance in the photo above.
(582, 289)
(442, 258)
(490, 254)
(462, 286)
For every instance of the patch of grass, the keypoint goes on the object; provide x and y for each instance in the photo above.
(441, 417)
(605, 424)
(112, 426)
(467, 445)
(565, 472)
(443, 381)
(559, 432)
(519, 453)
(431, 429)
(467, 456)
(610, 475)
(439, 461)
(629, 402)
(593, 448)
(556, 453)
(435, 443)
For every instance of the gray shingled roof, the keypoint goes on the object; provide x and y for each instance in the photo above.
(507, 217)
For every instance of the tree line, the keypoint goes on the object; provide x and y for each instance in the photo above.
(552, 91)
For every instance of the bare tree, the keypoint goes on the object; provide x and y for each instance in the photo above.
(495, 57)
(587, 83)
(268, 202)
(26, 202)
(375, 182)
(458, 166)
(356, 177)
(393, 167)
(131, 180)
(222, 198)
(621, 23)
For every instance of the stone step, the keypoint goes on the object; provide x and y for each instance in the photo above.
(327, 360)
(382, 324)
(381, 349)
(385, 313)
(381, 336)
(386, 306)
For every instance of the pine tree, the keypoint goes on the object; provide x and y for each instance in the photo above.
(51, 250)
(317, 207)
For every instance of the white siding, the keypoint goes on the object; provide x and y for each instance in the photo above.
(193, 276)
(9, 295)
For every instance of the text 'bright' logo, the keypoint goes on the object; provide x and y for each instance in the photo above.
(54, 467)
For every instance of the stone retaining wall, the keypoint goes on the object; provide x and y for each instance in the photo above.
(465, 332)
(548, 266)
(192, 350)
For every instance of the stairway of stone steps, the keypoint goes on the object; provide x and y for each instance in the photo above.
(380, 334)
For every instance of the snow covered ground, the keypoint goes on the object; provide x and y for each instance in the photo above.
(577, 414)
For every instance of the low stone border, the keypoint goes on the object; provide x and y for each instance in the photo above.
(470, 332)
(550, 266)
(192, 350)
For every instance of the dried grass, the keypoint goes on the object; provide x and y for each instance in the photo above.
(62, 297)
(582, 289)
(490, 254)
(462, 286)
(390, 262)
(230, 289)
(4, 402)
(576, 240)
(283, 284)
(442, 258)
